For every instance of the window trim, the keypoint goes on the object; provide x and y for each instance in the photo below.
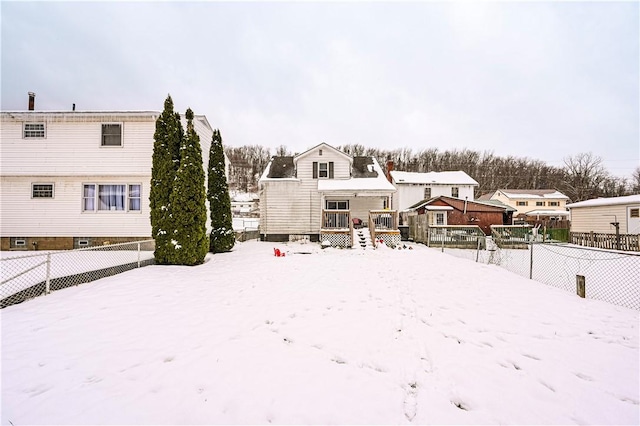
(30, 123)
(337, 202)
(53, 189)
(554, 203)
(96, 197)
(102, 134)
(522, 203)
(539, 203)
(427, 189)
(457, 191)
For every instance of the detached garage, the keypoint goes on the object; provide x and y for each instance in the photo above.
(595, 220)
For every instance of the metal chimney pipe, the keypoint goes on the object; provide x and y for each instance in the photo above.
(32, 101)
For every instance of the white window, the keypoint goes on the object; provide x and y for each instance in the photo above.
(111, 135)
(521, 203)
(455, 191)
(337, 205)
(539, 203)
(111, 197)
(323, 170)
(427, 193)
(41, 190)
(33, 131)
(554, 203)
(439, 218)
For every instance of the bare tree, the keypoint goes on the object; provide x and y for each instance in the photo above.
(635, 181)
(584, 176)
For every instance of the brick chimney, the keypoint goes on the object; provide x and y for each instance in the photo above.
(389, 169)
(32, 101)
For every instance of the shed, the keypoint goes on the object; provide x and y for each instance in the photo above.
(599, 214)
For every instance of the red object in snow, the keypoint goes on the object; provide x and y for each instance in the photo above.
(278, 253)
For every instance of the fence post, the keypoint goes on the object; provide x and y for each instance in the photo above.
(443, 237)
(531, 263)
(47, 288)
(138, 254)
(478, 248)
(581, 286)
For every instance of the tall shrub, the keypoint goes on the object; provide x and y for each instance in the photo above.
(189, 242)
(165, 162)
(221, 238)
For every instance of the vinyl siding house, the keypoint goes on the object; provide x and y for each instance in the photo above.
(73, 179)
(317, 195)
(414, 187)
(532, 204)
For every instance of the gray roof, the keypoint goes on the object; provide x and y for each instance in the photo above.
(281, 167)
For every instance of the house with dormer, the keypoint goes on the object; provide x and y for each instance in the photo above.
(324, 194)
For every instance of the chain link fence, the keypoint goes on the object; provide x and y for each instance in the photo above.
(610, 276)
(37, 273)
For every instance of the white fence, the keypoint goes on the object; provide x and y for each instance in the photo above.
(26, 276)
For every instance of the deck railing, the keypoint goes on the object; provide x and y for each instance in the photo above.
(336, 219)
(382, 220)
(626, 242)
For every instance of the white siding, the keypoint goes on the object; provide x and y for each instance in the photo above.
(69, 156)
(599, 218)
(410, 194)
(62, 216)
(73, 148)
(286, 208)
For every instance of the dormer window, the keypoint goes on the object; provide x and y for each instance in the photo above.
(320, 152)
(323, 170)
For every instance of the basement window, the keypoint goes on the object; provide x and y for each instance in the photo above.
(18, 242)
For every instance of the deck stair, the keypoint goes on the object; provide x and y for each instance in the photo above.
(362, 239)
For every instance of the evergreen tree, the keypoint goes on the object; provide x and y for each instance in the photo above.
(189, 241)
(166, 150)
(222, 237)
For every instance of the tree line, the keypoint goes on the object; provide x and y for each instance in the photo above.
(581, 177)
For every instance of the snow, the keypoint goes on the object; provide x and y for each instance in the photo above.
(378, 183)
(320, 336)
(596, 202)
(440, 178)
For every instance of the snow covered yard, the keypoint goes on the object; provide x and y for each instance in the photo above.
(330, 337)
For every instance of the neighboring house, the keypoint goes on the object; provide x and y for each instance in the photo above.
(245, 204)
(73, 179)
(599, 214)
(318, 194)
(414, 187)
(532, 204)
(443, 210)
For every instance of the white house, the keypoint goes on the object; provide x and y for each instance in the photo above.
(414, 187)
(72, 179)
(321, 194)
(532, 204)
(599, 215)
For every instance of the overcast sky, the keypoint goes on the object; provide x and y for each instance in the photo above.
(532, 79)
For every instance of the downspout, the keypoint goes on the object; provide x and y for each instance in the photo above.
(465, 205)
